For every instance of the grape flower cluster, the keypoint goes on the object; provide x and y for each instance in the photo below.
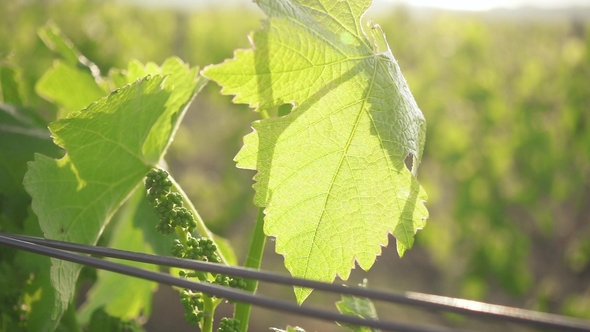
(168, 207)
(202, 249)
(193, 306)
(228, 325)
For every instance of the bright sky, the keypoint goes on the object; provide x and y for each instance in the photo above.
(491, 4)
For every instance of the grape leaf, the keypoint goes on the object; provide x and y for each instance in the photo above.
(52, 37)
(74, 81)
(134, 296)
(39, 294)
(102, 321)
(21, 135)
(68, 87)
(10, 89)
(110, 146)
(331, 173)
(359, 307)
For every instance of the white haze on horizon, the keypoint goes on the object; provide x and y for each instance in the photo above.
(482, 5)
(471, 5)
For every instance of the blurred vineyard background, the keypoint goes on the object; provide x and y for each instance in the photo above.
(506, 96)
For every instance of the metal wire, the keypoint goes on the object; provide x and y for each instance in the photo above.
(460, 306)
(215, 290)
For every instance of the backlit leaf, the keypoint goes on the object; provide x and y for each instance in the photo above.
(331, 173)
(110, 146)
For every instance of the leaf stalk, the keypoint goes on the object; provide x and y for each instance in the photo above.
(253, 260)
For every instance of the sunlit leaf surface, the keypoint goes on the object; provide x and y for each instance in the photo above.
(331, 173)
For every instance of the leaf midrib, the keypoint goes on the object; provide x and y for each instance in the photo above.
(341, 162)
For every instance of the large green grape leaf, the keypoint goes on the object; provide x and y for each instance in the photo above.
(331, 173)
(110, 146)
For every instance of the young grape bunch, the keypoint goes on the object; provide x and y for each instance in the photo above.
(167, 205)
(193, 306)
(228, 325)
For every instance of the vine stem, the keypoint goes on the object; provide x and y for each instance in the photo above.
(253, 260)
(209, 310)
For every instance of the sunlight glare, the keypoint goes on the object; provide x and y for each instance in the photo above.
(463, 4)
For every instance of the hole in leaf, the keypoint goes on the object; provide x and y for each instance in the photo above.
(284, 109)
(409, 161)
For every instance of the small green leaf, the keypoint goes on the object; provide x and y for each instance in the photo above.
(136, 70)
(74, 81)
(359, 307)
(51, 35)
(110, 146)
(68, 87)
(10, 90)
(331, 173)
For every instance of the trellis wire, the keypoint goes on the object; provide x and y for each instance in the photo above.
(465, 307)
(215, 290)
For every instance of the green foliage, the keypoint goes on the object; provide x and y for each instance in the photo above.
(359, 307)
(73, 82)
(127, 131)
(26, 291)
(21, 135)
(505, 165)
(341, 149)
(9, 85)
(134, 296)
(506, 162)
(70, 88)
(51, 35)
(173, 217)
(11, 308)
(101, 321)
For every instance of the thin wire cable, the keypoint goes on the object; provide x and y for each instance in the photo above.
(434, 302)
(215, 290)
